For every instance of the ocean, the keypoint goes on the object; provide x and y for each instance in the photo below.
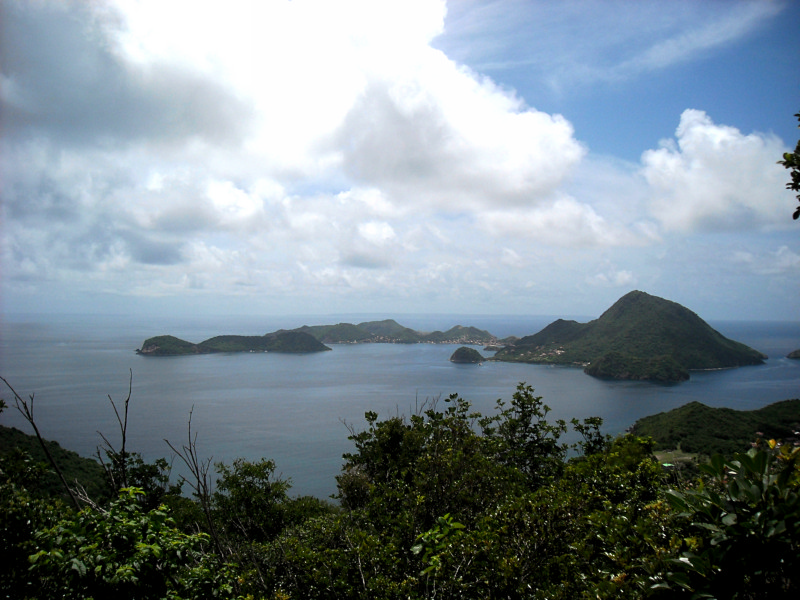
(296, 409)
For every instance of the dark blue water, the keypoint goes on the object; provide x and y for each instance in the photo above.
(293, 409)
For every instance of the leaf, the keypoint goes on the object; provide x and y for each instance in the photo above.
(77, 565)
(682, 579)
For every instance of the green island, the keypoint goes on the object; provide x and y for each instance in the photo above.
(641, 337)
(443, 503)
(389, 331)
(313, 339)
(466, 355)
(279, 341)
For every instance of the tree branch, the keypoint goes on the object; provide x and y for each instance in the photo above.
(26, 410)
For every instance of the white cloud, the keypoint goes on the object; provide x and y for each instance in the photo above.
(564, 222)
(714, 177)
(376, 233)
(612, 278)
(439, 136)
(231, 202)
(187, 126)
(312, 149)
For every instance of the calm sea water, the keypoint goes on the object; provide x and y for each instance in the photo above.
(293, 409)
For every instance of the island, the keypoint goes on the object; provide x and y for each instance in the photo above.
(390, 331)
(293, 342)
(465, 355)
(641, 337)
(794, 354)
(314, 339)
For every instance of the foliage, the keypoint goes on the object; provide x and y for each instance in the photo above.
(418, 469)
(697, 428)
(743, 528)
(520, 437)
(444, 503)
(249, 504)
(16, 445)
(615, 365)
(153, 479)
(791, 161)
(594, 441)
(21, 515)
(124, 552)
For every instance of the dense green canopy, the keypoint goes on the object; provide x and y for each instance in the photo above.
(444, 503)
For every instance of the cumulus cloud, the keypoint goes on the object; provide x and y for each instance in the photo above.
(61, 78)
(714, 177)
(446, 138)
(563, 222)
(183, 136)
(310, 149)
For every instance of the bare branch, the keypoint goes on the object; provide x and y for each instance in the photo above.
(119, 458)
(26, 410)
(199, 470)
(84, 497)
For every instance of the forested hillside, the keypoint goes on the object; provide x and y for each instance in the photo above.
(445, 503)
(701, 429)
(640, 337)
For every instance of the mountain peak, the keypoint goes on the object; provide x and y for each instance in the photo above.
(640, 337)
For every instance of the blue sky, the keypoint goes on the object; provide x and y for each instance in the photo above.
(476, 157)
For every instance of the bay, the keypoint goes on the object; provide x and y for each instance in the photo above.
(294, 408)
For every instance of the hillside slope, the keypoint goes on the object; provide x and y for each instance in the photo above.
(697, 428)
(15, 444)
(639, 337)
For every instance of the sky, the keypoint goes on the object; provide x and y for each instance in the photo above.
(378, 157)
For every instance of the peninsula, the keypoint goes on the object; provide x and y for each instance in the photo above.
(641, 337)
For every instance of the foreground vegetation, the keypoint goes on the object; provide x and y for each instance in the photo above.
(445, 503)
